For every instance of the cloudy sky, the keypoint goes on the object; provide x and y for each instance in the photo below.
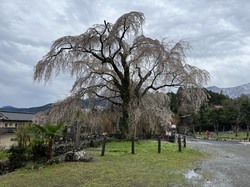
(218, 30)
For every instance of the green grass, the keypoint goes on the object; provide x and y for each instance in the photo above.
(221, 135)
(117, 168)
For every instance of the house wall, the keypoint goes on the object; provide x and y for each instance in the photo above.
(5, 140)
(8, 124)
(12, 124)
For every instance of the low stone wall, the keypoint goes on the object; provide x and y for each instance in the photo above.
(63, 147)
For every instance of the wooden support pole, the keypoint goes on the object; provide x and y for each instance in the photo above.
(159, 144)
(184, 141)
(103, 145)
(133, 145)
(179, 142)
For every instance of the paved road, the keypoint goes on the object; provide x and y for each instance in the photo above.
(228, 165)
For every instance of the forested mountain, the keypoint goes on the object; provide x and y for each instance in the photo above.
(217, 95)
(85, 104)
(28, 110)
(216, 98)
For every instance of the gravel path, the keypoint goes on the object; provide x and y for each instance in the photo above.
(227, 166)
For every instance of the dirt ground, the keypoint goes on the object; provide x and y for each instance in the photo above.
(228, 164)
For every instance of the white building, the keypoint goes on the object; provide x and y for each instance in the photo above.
(9, 122)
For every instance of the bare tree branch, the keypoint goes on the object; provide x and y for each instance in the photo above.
(118, 63)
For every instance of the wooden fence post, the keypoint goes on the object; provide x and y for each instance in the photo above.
(184, 141)
(179, 143)
(103, 145)
(133, 145)
(159, 144)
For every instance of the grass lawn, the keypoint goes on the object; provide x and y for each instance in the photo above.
(224, 135)
(117, 168)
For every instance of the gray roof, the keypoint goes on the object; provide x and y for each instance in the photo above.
(16, 116)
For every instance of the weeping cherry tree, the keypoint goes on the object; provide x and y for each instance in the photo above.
(116, 62)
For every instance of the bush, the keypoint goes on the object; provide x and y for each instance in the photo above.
(17, 157)
(3, 155)
(39, 150)
(4, 167)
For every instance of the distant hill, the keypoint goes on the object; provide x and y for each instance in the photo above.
(232, 92)
(28, 110)
(85, 102)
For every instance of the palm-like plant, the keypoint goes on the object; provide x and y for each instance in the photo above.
(49, 132)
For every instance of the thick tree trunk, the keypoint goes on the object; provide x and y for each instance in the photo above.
(50, 149)
(126, 98)
(124, 127)
(236, 130)
(216, 129)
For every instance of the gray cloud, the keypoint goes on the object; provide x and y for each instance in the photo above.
(218, 30)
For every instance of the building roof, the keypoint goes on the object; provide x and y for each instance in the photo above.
(16, 116)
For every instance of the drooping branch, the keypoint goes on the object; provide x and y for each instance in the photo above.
(118, 63)
(110, 99)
